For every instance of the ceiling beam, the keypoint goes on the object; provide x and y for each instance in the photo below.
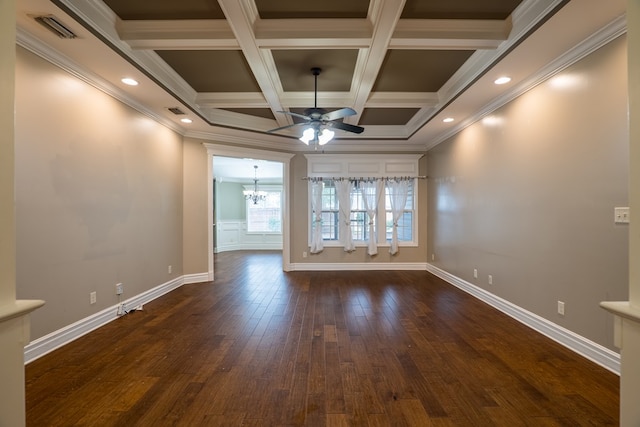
(450, 34)
(177, 34)
(314, 33)
(242, 17)
(384, 18)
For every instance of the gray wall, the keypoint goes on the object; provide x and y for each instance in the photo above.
(194, 207)
(98, 196)
(528, 194)
(230, 203)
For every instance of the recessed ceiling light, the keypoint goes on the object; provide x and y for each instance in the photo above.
(502, 80)
(185, 120)
(448, 120)
(129, 81)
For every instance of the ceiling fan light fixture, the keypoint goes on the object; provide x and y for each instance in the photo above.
(325, 136)
(316, 121)
(308, 135)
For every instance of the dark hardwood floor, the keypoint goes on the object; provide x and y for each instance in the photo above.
(259, 347)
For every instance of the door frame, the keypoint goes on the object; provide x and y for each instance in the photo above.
(241, 152)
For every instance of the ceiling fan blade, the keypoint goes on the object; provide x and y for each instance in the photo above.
(285, 127)
(346, 126)
(338, 114)
(295, 115)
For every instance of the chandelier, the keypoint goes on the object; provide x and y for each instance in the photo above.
(254, 195)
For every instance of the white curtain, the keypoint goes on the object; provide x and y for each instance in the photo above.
(315, 188)
(371, 191)
(344, 188)
(398, 193)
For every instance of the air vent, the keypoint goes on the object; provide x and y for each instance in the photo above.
(54, 25)
(177, 111)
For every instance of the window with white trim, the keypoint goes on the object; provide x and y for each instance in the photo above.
(369, 199)
(265, 216)
(405, 223)
(383, 225)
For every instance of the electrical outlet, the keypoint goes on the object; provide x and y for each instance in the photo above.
(122, 309)
(433, 257)
(169, 269)
(475, 273)
(119, 289)
(561, 308)
(621, 215)
(92, 297)
(304, 254)
(490, 279)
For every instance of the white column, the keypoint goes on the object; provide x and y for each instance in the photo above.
(14, 315)
(627, 322)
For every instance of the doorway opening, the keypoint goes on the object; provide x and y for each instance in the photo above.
(230, 227)
(247, 204)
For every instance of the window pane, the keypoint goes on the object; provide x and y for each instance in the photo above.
(359, 218)
(407, 206)
(329, 197)
(405, 224)
(329, 225)
(329, 212)
(265, 216)
(359, 225)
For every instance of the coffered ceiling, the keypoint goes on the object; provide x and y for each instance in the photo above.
(232, 66)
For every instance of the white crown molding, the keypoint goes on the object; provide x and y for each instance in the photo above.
(102, 19)
(598, 354)
(528, 14)
(34, 45)
(607, 34)
(242, 152)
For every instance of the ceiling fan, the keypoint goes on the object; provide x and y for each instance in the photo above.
(317, 121)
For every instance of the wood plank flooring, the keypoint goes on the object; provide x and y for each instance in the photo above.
(259, 347)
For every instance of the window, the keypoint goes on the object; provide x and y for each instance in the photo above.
(266, 215)
(372, 220)
(360, 219)
(329, 211)
(405, 223)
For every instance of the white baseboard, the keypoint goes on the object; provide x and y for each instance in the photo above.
(604, 357)
(249, 247)
(56, 339)
(195, 278)
(354, 266)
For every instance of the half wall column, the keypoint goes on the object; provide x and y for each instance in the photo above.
(14, 315)
(627, 313)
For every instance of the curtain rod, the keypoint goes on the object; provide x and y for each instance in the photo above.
(361, 178)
